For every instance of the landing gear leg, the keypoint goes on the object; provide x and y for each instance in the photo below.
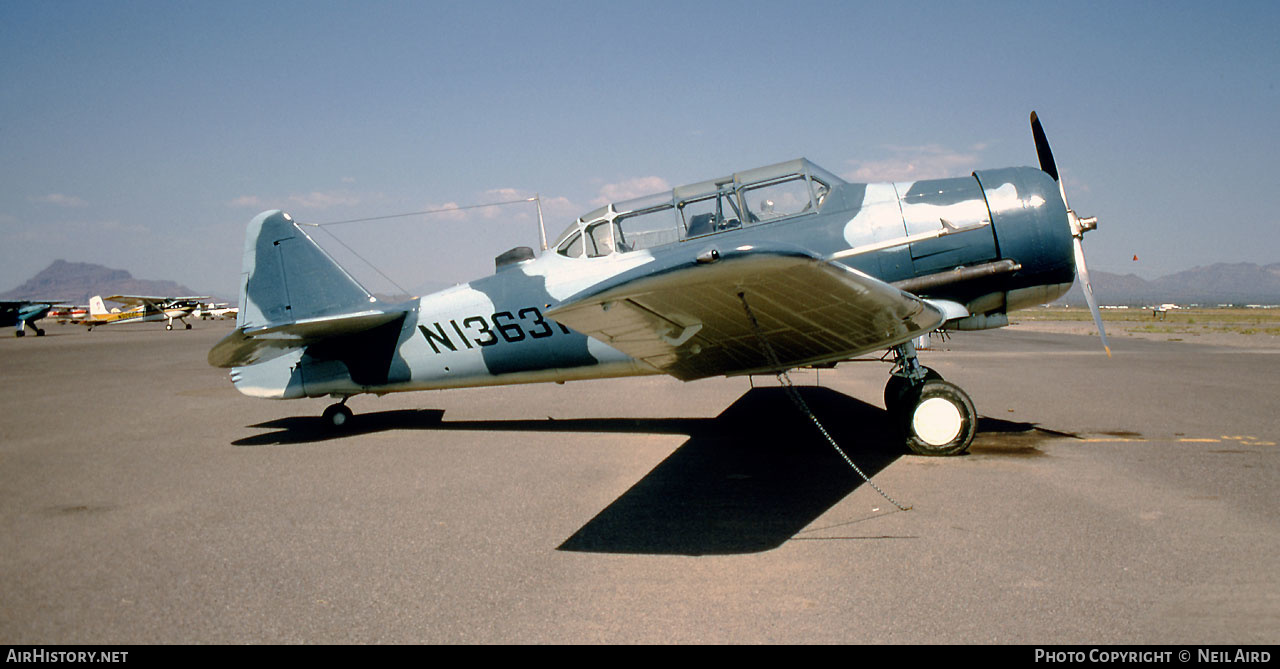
(22, 329)
(937, 417)
(337, 416)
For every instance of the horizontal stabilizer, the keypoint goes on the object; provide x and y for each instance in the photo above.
(251, 344)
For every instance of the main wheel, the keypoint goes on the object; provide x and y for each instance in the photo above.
(940, 419)
(39, 332)
(337, 416)
(898, 386)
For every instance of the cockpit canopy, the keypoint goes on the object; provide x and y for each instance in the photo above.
(754, 197)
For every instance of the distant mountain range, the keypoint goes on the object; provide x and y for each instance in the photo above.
(1222, 283)
(76, 282)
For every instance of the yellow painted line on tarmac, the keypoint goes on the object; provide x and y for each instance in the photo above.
(1243, 440)
(1248, 440)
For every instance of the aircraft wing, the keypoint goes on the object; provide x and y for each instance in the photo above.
(156, 301)
(690, 321)
(22, 303)
(137, 300)
(250, 344)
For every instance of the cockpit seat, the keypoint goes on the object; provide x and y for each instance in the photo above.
(702, 224)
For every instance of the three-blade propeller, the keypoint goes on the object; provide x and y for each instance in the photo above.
(1079, 226)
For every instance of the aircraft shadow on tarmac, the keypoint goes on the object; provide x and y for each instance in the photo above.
(752, 478)
(746, 481)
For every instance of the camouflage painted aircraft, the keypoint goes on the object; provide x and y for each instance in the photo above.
(24, 313)
(757, 272)
(142, 308)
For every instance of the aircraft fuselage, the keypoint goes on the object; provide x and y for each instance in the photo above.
(980, 245)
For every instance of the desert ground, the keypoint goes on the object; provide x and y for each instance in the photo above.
(1104, 501)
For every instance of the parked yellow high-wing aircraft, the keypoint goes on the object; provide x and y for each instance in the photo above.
(142, 308)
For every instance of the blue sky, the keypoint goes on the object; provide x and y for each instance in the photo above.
(144, 135)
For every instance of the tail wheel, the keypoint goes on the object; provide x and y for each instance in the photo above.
(337, 416)
(941, 419)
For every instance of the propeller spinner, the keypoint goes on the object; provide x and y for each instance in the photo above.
(1079, 226)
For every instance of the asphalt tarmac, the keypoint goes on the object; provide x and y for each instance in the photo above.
(1130, 500)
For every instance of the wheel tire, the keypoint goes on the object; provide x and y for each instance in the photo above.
(940, 419)
(168, 327)
(895, 391)
(188, 326)
(337, 416)
(20, 333)
(39, 332)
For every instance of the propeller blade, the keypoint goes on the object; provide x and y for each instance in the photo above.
(1079, 226)
(1083, 273)
(1043, 152)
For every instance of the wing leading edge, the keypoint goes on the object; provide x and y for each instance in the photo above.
(691, 322)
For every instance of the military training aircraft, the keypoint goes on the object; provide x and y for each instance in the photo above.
(142, 308)
(757, 272)
(23, 313)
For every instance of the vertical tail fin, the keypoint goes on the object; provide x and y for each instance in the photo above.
(294, 296)
(97, 307)
(287, 277)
